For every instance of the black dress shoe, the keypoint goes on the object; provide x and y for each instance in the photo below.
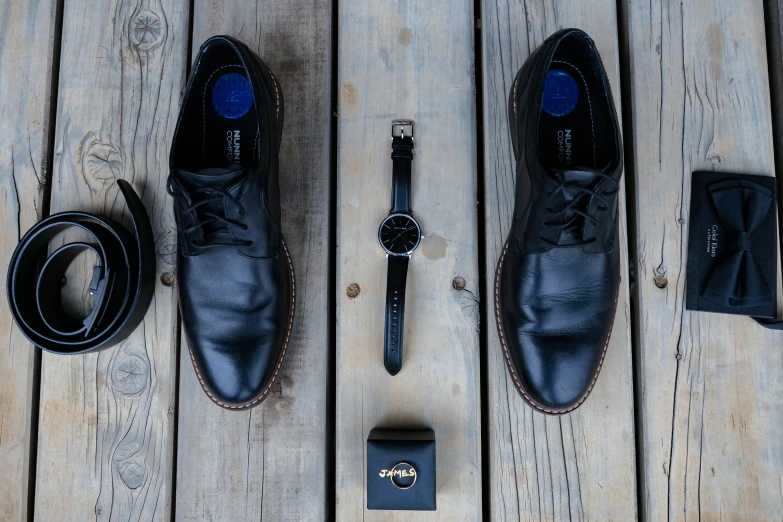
(235, 275)
(558, 277)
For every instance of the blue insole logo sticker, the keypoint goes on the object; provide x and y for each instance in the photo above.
(561, 93)
(232, 96)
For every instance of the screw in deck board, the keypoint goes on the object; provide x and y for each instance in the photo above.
(353, 290)
(167, 279)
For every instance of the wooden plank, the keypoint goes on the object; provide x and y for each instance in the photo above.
(27, 43)
(773, 15)
(712, 426)
(408, 60)
(106, 421)
(270, 462)
(582, 465)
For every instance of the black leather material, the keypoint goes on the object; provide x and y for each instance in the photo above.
(122, 284)
(558, 277)
(235, 276)
(396, 277)
(402, 156)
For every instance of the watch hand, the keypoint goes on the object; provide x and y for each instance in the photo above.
(401, 233)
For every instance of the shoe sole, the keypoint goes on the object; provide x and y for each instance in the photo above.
(518, 382)
(258, 399)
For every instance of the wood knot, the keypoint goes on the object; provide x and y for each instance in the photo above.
(129, 374)
(147, 31)
(661, 281)
(167, 279)
(131, 473)
(101, 162)
(353, 290)
(458, 283)
(715, 160)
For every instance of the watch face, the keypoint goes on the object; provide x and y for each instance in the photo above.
(399, 234)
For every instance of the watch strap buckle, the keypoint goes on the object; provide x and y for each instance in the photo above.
(402, 129)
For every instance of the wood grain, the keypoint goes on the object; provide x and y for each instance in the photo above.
(408, 60)
(773, 16)
(710, 384)
(106, 419)
(270, 463)
(27, 43)
(580, 466)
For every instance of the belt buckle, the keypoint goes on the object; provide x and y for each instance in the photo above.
(402, 129)
(100, 279)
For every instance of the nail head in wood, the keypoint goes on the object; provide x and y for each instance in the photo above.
(353, 290)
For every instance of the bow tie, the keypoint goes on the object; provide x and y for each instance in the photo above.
(737, 279)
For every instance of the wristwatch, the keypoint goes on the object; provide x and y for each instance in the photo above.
(399, 235)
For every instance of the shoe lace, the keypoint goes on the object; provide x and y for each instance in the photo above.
(578, 207)
(208, 203)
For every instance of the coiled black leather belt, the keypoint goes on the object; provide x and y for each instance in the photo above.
(122, 282)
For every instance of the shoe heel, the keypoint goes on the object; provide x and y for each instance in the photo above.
(270, 78)
(512, 113)
(522, 74)
(280, 105)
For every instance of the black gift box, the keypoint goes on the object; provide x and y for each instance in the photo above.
(405, 458)
(732, 244)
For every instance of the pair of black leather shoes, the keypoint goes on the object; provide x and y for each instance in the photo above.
(558, 276)
(235, 275)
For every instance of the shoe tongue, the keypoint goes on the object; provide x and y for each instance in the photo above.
(582, 178)
(211, 177)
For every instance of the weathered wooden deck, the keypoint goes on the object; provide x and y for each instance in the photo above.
(686, 420)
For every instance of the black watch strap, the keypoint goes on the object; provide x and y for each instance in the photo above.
(395, 313)
(402, 155)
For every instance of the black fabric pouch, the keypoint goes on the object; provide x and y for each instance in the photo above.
(732, 245)
(401, 470)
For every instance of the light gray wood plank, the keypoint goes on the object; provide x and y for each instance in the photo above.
(580, 466)
(710, 384)
(408, 60)
(773, 15)
(27, 41)
(106, 419)
(269, 463)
